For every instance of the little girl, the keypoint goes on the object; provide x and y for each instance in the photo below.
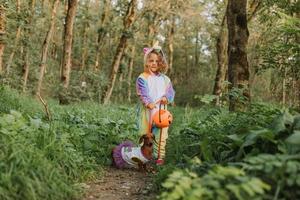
(153, 88)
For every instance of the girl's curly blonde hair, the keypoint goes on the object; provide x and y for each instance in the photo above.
(162, 63)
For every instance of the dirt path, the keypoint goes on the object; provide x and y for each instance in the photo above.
(119, 185)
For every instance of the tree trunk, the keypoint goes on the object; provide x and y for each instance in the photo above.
(2, 33)
(221, 47)
(67, 48)
(171, 44)
(84, 49)
(25, 69)
(238, 68)
(25, 56)
(85, 38)
(101, 33)
(254, 6)
(131, 60)
(11, 57)
(45, 47)
(128, 21)
(283, 100)
(152, 29)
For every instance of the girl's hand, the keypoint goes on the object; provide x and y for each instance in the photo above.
(164, 100)
(151, 106)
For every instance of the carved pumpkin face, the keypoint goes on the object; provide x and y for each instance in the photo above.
(162, 118)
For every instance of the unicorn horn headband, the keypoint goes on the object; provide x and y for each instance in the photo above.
(155, 47)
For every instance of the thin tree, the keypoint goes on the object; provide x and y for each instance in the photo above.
(2, 33)
(45, 47)
(128, 21)
(101, 32)
(238, 68)
(27, 35)
(171, 43)
(17, 38)
(129, 78)
(84, 48)
(67, 48)
(221, 47)
(221, 50)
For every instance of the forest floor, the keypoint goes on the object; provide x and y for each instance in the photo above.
(118, 184)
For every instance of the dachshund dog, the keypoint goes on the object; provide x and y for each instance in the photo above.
(127, 155)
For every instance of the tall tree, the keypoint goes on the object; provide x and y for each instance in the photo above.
(27, 35)
(238, 68)
(101, 32)
(221, 50)
(128, 21)
(18, 33)
(221, 47)
(2, 33)
(84, 37)
(171, 43)
(129, 78)
(68, 37)
(45, 47)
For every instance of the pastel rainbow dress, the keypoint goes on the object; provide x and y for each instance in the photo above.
(150, 88)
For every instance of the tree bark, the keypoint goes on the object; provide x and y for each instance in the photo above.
(171, 44)
(152, 29)
(2, 33)
(11, 57)
(85, 39)
(238, 68)
(101, 33)
(25, 56)
(128, 21)
(221, 47)
(45, 47)
(283, 100)
(68, 37)
(131, 61)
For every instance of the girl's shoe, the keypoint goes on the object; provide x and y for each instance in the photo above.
(160, 162)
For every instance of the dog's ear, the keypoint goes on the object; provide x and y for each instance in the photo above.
(142, 138)
(153, 138)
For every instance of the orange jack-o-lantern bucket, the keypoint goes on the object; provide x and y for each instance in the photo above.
(162, 118)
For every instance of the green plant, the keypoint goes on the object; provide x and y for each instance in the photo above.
(218, 183)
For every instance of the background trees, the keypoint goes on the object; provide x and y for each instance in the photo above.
(193, 33)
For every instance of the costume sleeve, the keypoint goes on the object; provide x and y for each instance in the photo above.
(142, 91)
(170, 93)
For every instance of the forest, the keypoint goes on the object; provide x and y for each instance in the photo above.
(68, 71)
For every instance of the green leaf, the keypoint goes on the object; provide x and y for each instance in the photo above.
(36, 122)
(235, 190)
(296, 124)
(281, 122)
(168, 184)
(294, 138)
(248, 189)
(298, 180)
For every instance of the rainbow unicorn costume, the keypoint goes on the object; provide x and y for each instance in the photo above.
(151, 88)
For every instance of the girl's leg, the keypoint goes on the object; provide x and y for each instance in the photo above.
(161, 136)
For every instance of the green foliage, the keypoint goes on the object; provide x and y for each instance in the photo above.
(280, 170)
(88, 86)
(222, 136)
(218, 183)
(96, 130)
(28, 168)
(206, 99)
(11, 100)
(42, 160)
(262, 141)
